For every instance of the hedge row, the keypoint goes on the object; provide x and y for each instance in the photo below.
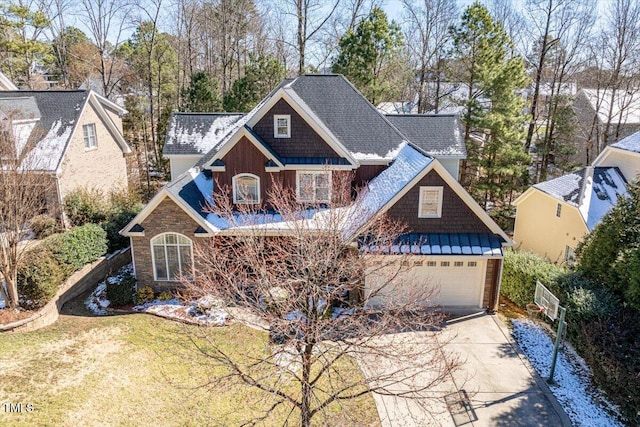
(605, 332)
(47, 265)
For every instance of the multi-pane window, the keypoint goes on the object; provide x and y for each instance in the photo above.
(89, 132)
(172, 256)
(314, 186)
(282, 126)
(558, 210)
(569, 256)
(246, 189)
(430, 203)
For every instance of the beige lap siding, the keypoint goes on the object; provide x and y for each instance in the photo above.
(167, 217)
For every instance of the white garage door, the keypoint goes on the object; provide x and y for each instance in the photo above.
(456, 281)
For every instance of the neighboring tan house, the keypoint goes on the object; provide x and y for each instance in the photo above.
(552, 217)
(308, 129)
(594, 109)
(74, 137)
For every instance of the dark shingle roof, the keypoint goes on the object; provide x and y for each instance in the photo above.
(197, 133)
(347, 114)
(23, 108)
(437, 135)
(566, 188)
(59, 110)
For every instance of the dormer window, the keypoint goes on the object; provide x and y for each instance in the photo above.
(282, 126)
(90, 140)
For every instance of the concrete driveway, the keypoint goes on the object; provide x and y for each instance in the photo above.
(495, 385)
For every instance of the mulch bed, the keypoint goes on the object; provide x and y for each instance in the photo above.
(8, 315)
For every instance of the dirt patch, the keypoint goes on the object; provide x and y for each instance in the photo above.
(8, 315)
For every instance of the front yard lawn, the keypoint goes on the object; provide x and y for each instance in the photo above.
(130, 370)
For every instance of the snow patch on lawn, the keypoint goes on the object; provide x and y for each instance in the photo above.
(174, 309)
(573, 388)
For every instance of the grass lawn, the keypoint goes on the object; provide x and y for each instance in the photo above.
(131, 370)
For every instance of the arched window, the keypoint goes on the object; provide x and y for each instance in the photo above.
(246, 189)
(172, 255)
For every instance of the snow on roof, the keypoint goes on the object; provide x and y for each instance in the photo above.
(438, 135)
(626, 105)
(391, 154)
(190, 133)
(49, 150)
(593, 190)
(407, 165)
(630, 143)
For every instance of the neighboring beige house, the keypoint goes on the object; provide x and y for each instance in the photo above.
(74, 137)
(553, 216)
(594, 109)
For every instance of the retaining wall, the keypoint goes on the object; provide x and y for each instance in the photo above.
(79, 282)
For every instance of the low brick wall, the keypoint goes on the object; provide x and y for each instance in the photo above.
(79, 282)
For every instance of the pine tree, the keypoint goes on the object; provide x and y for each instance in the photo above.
(493, 118)
(201, 96)
(260, 76)
(367, 54)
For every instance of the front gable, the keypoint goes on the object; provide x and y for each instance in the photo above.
(304, 141)
(456, 216)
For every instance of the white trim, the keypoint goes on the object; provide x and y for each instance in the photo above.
(439, 191)
(96, 101)
(133, 257)
(270, 169)
(166, 257)
(602, 157)
(277, 117)
(217, 168)
(299, 106)
(182, 156)
(376, 162)
(315, 167)
(154, 202)
(314, 173)
(108, 103)
(6, 82)
(457, 188)
(233, 188)
(234, 140)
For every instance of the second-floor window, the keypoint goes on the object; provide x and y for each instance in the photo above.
(558, 210)
(430, 203)
(246, 189)
(282, 126)
(313, 186)
(90, 140)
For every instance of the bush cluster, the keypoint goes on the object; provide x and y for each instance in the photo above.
(43, 226)
(39, 277)
(144, 294)
(121, 293)
(112, 212)
(46, 266)
(78, 246)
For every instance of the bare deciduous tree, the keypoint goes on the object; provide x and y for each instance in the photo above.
(303, 282)
(22, 196)
(428, 37)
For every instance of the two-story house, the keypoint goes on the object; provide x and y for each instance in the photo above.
(74, 139)
(552, 217)
(303, 133)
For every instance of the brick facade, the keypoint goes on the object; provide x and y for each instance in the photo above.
(166, 217)
(304, 141)
(456, 216)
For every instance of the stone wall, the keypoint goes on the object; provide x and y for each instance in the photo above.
(79, 282)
